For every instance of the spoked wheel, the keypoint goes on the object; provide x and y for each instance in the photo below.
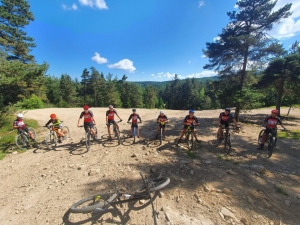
(154, 185)
(51, 140)
(161, 136)
(88, 139)
(86, 205)
(118, 135)
(260, 136)
(271, 146)
(227, 145)
(21, 141)
(190, 141)
(66, 132)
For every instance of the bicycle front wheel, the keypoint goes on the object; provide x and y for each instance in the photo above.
(261, 133)
(271, 146)
(118, 135)
(88, 139)
(65, 131)
(227, 145)
(21, 141)
(89, 204)
(161, 136)
(190, 141)
(154, 185)
(51, 140)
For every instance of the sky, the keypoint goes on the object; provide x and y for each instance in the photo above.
(147, 40)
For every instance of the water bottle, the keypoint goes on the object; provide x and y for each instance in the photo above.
(126, 196)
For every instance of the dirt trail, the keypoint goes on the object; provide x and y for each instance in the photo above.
(207, 187)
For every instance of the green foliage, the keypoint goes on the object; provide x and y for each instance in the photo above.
(34, 102)
(281, 190)
(291, 134)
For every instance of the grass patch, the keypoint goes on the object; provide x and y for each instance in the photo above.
(291, 134)
(280, 190)
(7, 134)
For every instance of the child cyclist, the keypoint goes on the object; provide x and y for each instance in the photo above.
(88, 120)
(161, 118)
(56, 126)
(224, 119)
(134, 123)
(20, 125)
(271, 123)
(110, 118)
(189, 120)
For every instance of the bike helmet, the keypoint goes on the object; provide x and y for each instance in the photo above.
(86, 107)
(275, 111)
(161, 112)
(227, 109)
(192, 111)
(20, 115)
(133, 110)
(52, 116)
(110, 106)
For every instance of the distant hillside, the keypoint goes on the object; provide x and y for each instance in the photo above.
(164, 83)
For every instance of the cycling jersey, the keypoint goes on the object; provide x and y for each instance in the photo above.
(271, 122)
(162, 118)
(225, 118)
(111, 114)
(20, 124)
(56, 123)
(190, 120)
(134, 118)
(87, 117)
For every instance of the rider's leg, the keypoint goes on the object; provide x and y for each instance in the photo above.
(182, 133)
(263, 140)
(108, 130)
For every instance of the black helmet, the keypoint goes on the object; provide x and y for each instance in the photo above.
(134, 110)
(227, 109)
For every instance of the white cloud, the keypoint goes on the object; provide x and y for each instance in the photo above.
(205, 73)
(201, 3)
(124, 64)
(72, 7)
(100, 4)
(98, 59)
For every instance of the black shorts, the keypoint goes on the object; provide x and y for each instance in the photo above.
(225, 123)
(88, 125)
(134, 125)
(186, 126)
(26, 129)
(268, 130)
(111, 122)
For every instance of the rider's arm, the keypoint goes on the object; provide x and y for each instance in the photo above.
(49, 121)
(234, 122)
(129, 118)
(140, 118)
(78, 122)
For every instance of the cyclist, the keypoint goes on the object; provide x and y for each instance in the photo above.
(161, 118)
(189, 120)
(271, 123)
(134, 123)
(224, 119)
(20, 125)
(88, 120)
(110, 118)
(56, 126)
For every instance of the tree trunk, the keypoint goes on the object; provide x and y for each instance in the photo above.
(288, 113)
(279, 95)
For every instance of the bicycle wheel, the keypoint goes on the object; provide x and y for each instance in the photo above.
(260, 136)
(161, 136)
(88, 139)
(190, 141)
(227, 145)
(87, 205)
(32, 131)
(51, 140)
(154, 185)
(21, 141)
(66, 132)
(271, 146)
(118, 135)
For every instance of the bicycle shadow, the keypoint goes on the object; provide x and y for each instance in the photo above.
(96, 217)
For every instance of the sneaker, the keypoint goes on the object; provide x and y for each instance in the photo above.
(179, 140)
(64, 137)
(59, 141)
(198, 141)
(109, 138)
(260, 147)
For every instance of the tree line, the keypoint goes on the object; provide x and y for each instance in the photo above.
(254, 69)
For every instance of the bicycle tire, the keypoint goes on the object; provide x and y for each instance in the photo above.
(88, 140)
(21, 141)
(190, 141)
(161, 137)
(260, 136)
(271, 146)
(154, 185)
(96, 132)
(101, 201)
(227, 145)
(66, 132)
(32, 131)
(51, 140)
(118, 135)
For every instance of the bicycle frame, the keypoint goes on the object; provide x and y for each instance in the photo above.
(116, 130)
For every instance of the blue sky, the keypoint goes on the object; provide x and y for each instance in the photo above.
(148, 40)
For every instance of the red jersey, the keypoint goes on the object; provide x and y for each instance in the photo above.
(162, 118)
(224, 117)
(111, 114)
(272, 121)
(20, 124)
(87, 117)
(134, 118)
(190, 120)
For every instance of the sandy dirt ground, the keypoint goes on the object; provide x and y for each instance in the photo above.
(207, 187)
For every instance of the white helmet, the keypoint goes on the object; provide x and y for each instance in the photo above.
(161, 111)
(20, 115)
(110, 106)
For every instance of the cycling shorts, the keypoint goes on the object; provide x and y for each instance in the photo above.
(268, 130)
(111, 122)
(25, 128)
(225, 123)
(186, 126)
(88, 125)
(134, 125)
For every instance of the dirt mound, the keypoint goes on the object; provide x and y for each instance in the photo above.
(207, 186)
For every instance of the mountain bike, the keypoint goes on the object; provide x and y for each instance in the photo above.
(134, 132)
(89, 135)
(116, 130)
(101, 203)
(51, 139)
(22, 138)
(161, 133)
(271, 139)
(226, 137)
(189, 137)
